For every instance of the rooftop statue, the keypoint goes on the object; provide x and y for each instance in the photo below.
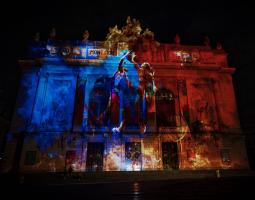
(132, 28)
(148, 34)
(114, 34)
(37, 37)
(85, 36)
(219, 46)
(177, 39)
(127, 30)
(52, 33)
(207, 41)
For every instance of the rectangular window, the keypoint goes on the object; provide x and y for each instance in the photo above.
(133, 159)
(170, 155)
(95, 156)
(225, 156)
(30, 158)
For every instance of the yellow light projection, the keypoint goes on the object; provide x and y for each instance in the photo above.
(114, 156)
(151, 160)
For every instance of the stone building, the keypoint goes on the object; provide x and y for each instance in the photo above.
(65, 113)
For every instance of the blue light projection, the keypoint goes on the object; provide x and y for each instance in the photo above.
(25, 101)
(81, 88)
(58, 105)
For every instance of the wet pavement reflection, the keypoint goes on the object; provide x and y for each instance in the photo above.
(227, 188)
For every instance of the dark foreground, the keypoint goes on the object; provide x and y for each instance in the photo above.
(207, 188)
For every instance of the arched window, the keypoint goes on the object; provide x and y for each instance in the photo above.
(165, 108)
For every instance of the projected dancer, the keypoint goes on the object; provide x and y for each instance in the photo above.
(118, 97)
(145, 102)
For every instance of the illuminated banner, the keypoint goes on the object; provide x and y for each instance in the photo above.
(53, 50)
(66, 51)
(77, 51)
(184, 56)
(83, 52)
(93, 53)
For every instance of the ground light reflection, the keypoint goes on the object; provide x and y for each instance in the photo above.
(136, 191)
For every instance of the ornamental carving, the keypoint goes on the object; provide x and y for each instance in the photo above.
(131, 34)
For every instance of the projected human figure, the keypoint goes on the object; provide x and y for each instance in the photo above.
(121, 83)
(118, 94)
(145, 102)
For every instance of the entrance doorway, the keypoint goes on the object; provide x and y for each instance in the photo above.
(170, 155)
(95, 152)
(133, 156)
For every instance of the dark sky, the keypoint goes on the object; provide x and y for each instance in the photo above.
(229, 22)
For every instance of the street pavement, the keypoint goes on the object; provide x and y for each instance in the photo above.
(241, 187)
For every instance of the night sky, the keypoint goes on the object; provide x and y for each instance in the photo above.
(231, 23)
